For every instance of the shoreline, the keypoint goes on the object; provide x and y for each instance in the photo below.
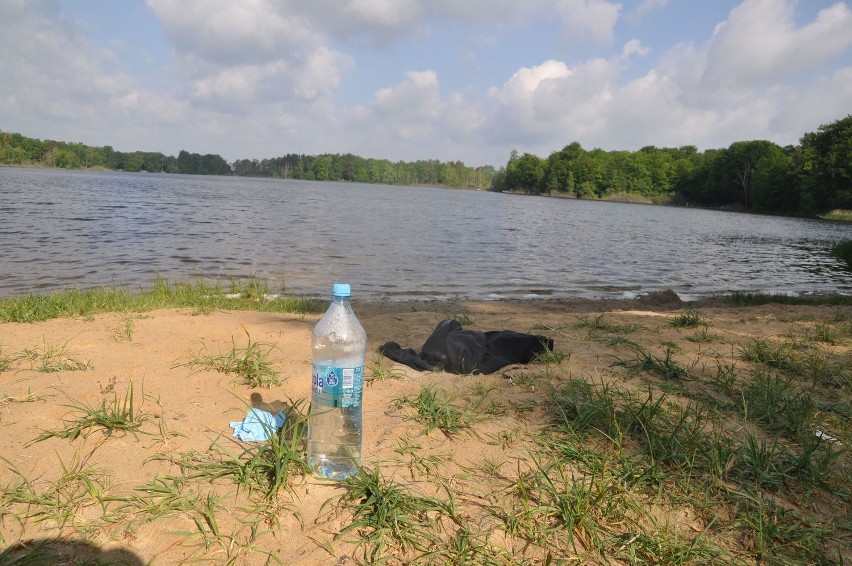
(253, 294)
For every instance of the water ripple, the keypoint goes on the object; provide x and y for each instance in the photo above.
(101, 228)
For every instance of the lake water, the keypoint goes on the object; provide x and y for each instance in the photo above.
(61, 229)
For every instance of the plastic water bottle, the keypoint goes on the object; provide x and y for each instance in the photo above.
(339, 347)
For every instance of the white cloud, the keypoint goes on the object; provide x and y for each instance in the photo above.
(407, 112)
(551, 104)
(151, 109)
(634, 47)
(747, 81)
(403, 119)
(320, 73)
(589, 19)
(253, 52)
(417, 96)
(389, 14)
(52, 77)
(223, 33)
(821, 101)
(759, 42)
(378, 22)
(524, 84)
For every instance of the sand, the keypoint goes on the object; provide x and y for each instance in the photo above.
(188, 409)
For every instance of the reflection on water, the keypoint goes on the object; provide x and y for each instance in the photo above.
(61, 229)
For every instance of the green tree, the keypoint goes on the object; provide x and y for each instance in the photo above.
(774, 186)
(525, 173)
(321, 168)
(827, 167)
(741, 163)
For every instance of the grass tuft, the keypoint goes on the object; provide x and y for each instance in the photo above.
(378, 372)
(388, 517)
(666, 367)
(251, 363)
(122, 415)
(267, 468)
(552, 357)
(50, 359)
(434, 409)
(688, 319)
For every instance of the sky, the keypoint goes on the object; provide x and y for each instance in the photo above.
(467, 80)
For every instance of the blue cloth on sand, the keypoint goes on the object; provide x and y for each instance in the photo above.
(257, 425)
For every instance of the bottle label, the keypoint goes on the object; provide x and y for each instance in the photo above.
(338, 387)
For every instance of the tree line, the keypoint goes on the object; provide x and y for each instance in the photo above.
(807, 179)
(16, 149)
(348, 167)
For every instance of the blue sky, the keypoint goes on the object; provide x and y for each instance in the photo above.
(421, 79)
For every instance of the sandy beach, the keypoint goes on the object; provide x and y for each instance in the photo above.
(95, 489)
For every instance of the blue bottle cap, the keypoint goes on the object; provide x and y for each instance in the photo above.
(341, 290)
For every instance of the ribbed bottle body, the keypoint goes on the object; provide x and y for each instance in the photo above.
(339, 349)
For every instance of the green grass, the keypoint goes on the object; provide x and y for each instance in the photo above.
(778, 356)
(778, 535)
(772, 400)
(666, 366)
(6, 360)
(598, 429)
(419, 462)
(599, 323)
(838, 214)
(702, 336)
(46, 359)
(378, 372)
(50, 359)
(265, 468)
(251, 364)
(826, 334)
(200, 295)
(121, 415)
(58, 503)
(688, 319)
(549, 356)
(459, 317)
(388, 517)
(435, 409)
(747, 299)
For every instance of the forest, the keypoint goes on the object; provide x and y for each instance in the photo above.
(807, 179)
(16, 149)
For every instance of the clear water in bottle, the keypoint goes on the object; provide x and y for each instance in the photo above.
(339, 348)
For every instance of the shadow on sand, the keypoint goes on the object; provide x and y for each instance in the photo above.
(66, 551)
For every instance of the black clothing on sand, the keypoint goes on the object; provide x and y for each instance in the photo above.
(454, 350)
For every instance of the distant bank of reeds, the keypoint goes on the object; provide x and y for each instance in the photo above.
(838, 214)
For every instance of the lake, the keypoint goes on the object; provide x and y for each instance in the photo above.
(61, 229)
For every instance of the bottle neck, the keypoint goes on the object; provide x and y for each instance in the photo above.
(339, 299)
